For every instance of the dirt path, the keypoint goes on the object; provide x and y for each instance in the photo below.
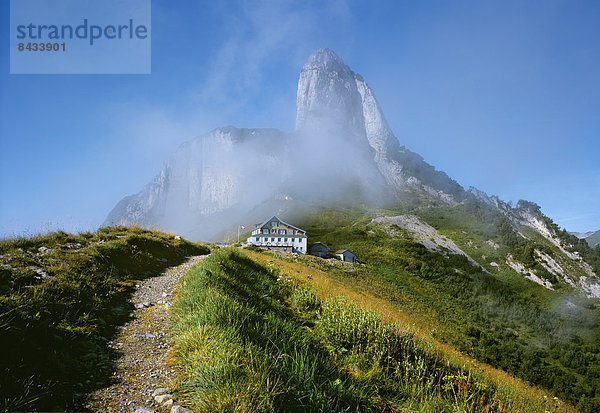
(144, 345)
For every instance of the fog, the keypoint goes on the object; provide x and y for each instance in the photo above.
(232, 176)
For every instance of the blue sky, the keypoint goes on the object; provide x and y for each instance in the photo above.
(501, 95)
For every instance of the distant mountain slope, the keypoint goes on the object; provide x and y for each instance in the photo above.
(581, 235)
(593, 239)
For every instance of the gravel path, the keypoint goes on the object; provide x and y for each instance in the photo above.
(143, 344)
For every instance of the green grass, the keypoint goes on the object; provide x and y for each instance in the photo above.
(498, 318)
(247, 339)
(61, 298)
(239, 347)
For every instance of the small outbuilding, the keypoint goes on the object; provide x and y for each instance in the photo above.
(319, 249)
(346, 256)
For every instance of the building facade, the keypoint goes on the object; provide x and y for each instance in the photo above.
(276, 234)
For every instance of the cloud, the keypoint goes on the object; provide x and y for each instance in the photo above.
(262, 35)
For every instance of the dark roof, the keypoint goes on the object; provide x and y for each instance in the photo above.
(280, 220)
(319, 243)
(279, 235)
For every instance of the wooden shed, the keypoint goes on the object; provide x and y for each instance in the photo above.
(346, 256)
(319, 249)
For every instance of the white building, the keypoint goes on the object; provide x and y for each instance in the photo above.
(276, 234)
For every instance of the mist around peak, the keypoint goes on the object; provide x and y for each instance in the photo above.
(341, 151)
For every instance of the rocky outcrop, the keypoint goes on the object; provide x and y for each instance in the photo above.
(492, 201)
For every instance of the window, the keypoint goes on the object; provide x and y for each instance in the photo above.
(265, 231)
(295, 232)
(257, 239)
(282, 231)
(273, 223)
(278, 239)
(285, 240)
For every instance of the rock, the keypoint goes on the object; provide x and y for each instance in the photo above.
(161, 390)
(179, 409)
(144, 410)
(43, 249)
(168, 403)
(41, 274)
(143, 336)
(145, 304)
(162, 398)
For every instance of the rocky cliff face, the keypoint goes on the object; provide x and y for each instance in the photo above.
(331, 97)
(342, 145)
(213, 173)
(328, 96)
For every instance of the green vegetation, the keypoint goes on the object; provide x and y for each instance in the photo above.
(61, 298)
(548, 338)
(249, 338)
(239, 348)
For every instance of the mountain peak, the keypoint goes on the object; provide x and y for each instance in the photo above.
(341, 136)
(326, 59)
(327, 95)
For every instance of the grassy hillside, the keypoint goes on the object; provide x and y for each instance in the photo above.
(550, 338)
(251, 338)
(61, 298)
